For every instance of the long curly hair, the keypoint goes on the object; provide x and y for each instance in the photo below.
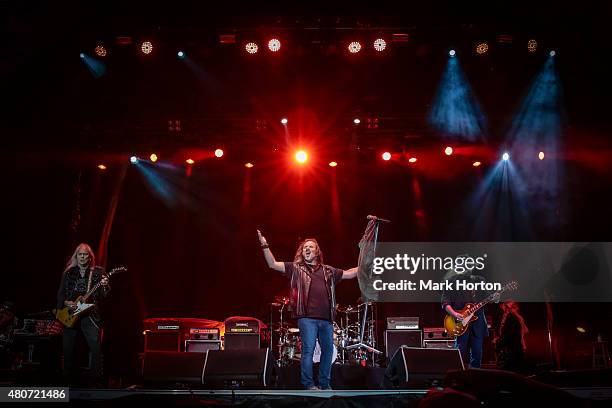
(299, 258)
(72, 261)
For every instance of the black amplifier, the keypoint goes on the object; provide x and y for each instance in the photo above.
(196, 333)
(242, 326)
(436, 333)
(402, 323)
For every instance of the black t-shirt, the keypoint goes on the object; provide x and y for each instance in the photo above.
(318, 304)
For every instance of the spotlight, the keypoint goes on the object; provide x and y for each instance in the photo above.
(482, 48)
(146, 47)
(380, 44)
(180, 54)
(452, 53)
(532, 46)
(386, 156)
(189, 161)
(284, 121)
(248, 165)
(218, 153)
(448, 151)
(101, 167)
(82, 56)
(476, 164)
(580, 329)
(100, 50)
(301, 156)
(274, 44)
(354, 47)
(412, 160)
(553, 53)
(356, 121)
(134, 159)
(505, 156)
(541, 155)
(333, 164)
(251, 48)
(153, 157)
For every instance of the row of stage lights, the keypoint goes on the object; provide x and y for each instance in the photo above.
(274, 45)
(301, 157)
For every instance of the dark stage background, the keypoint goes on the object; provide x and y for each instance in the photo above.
(190, 242)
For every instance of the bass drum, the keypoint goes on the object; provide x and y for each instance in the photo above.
(316, 355)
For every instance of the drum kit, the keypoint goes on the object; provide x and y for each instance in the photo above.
(287, 346)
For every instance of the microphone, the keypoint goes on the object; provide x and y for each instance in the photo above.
(375, 218)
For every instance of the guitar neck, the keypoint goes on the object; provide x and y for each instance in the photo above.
(488, 299)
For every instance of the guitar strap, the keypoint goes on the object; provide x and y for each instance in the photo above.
(89, 280)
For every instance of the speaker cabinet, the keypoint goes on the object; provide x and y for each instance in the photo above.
(241, 341)
(394, 339)
(162, 340)
(173, 367)
(202, 346)
(439, 344)
(244, 368)
(412, 366)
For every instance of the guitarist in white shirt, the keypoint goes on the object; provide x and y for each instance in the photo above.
(80, 275)
(471, 342)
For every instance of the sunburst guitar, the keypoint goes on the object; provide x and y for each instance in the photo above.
(68, 317)
(456, 327)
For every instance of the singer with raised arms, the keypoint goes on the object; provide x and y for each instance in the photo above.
(313, 303)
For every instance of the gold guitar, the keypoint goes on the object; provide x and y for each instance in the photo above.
(456, 327)
(68, 317)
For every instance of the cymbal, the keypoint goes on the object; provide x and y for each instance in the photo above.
(346, 309)
(293, 330)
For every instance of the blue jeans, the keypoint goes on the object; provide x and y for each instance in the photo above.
(470, 345)
(310, 331)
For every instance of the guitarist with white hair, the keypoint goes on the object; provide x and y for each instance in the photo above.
(470, 343)
(80, 276)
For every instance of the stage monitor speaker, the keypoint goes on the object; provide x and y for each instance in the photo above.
(394, 339)
(173, 367)
(162, 340)
(243, 368)
(413, 366)
(202, 346)
(241, 341)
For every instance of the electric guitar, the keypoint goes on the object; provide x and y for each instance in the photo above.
(68, 317)
(456, 327)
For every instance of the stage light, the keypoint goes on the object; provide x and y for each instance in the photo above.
(476, 164)
(452, 53)
(354, 47)
(333, 164)
(448, 151)
(553, 53)
(301, 156)
(505, 156)
(100, 50)
(134, 159)
(386, 156)
(412, 160)
(248, 165)
(82, 56)
(532, 46)
(356, 121)
(153, 157)
(541, 155)
(180, 54)
(580, 329)
(482, 48)
(284, 121)
(146, 47)
(219, 153)
(189, 161)
(251, 48)
(101, 167)
(380, 44)
(274, 44)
